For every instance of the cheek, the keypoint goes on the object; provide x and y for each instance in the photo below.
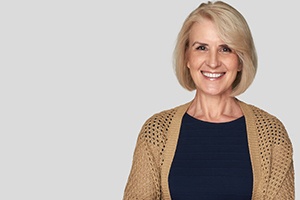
(233, 64)
(193, 62)
(238, 63)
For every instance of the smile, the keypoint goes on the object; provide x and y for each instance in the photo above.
(213, 75)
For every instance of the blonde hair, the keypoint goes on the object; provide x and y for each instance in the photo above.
(233, 30)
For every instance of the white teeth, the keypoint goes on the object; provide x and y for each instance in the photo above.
(212, 75)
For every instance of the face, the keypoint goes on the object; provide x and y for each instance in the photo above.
(213, 64)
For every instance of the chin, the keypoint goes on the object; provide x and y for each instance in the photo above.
(214, 92)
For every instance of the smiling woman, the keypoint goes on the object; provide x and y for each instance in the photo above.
(212, 64)
(215, 146)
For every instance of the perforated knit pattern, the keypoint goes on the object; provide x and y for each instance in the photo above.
(274, 160)
(276, 154)
(144, 179)
(155, 130)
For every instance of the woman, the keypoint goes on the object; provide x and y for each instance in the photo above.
(216, 146)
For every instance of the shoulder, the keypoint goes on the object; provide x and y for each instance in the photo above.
(259, 114)
(268, 126)
(166, 116)
(158, 124)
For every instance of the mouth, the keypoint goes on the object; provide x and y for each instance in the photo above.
(212, 76)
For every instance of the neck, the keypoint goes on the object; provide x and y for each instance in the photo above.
(214, 108)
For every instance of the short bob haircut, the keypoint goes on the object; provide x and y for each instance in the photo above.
(233, 30)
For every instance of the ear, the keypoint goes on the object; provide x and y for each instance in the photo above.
(188, 65)
(240, 67)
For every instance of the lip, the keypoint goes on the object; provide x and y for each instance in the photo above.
(213, 75)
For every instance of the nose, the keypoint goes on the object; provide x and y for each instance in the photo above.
(213, 60)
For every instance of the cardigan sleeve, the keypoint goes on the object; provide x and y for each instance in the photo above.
(287, 191)
(284, 163)
(143, 181)
(281, 177)
(276, 179)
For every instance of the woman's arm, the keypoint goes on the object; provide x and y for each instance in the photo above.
(144, 178)
(287, 189)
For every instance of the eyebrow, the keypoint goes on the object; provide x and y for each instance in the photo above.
(204, 44)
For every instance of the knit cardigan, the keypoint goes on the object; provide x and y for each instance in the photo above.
(270, 150)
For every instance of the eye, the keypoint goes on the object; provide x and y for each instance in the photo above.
(226, 49)
(201, 48)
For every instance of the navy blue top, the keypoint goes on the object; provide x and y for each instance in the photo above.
(211, 161)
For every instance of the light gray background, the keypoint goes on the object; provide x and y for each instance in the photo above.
(79, 78)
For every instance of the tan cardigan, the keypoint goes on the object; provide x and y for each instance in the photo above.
(269, 144)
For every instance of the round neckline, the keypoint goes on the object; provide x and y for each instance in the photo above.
(207, 122)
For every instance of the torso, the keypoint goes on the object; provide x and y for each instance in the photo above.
(211, 161)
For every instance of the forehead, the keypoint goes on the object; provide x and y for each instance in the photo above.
(204, 30)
